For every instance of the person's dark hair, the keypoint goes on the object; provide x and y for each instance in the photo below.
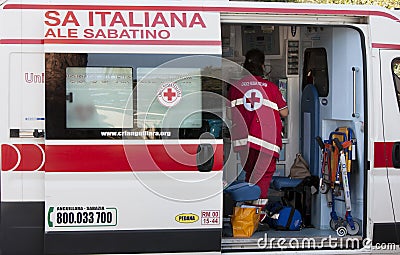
(254, 62)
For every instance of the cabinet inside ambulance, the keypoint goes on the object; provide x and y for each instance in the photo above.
(320, 72)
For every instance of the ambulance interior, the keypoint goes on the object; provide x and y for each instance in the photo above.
(331, 60)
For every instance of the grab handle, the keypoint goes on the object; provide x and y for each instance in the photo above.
(355, 113)
(338, 144)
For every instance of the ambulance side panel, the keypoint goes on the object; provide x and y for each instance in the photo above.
(385, 175)
(22, 111)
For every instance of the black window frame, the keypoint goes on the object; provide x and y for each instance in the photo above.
(323, 89)
(396, 79)
(55, 112)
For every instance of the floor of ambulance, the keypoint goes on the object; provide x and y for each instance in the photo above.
(303, 239)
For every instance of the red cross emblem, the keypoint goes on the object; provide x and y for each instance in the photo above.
(252, 100)
(169, 94)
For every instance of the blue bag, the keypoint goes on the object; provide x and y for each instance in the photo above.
(243, 191)
(283, 217)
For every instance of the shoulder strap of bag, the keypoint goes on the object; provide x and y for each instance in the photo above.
(289, 222)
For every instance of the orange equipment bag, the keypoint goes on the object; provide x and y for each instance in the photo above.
(245, 221)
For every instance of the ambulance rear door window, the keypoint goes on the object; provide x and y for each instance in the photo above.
(315, 70)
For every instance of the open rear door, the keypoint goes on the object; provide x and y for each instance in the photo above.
(116, 185)
(127, 168)
(384, 177)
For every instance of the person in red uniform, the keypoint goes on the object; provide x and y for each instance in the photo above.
(257, 106)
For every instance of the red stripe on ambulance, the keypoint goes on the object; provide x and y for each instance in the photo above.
(386, 46)
(21, 41)
(113, 42)
(104, 158)
(125, 158)
(134, 42)
(383, 154)
(22, 157)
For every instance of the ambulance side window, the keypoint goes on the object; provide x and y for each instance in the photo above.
(396, 77)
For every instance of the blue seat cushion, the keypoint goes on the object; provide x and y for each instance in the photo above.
(243, 191)
(279, 182)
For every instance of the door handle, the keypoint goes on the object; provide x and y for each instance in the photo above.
(69, 97)
(205, 157)
(396, 155)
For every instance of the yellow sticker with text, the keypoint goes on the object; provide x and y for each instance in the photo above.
(187, 218)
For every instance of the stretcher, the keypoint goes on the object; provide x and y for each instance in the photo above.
(337, 156)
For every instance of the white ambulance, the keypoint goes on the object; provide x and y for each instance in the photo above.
(114, 136)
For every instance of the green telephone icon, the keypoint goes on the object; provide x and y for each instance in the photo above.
(49, 222)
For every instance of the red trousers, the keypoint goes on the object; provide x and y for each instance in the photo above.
(259, 168)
